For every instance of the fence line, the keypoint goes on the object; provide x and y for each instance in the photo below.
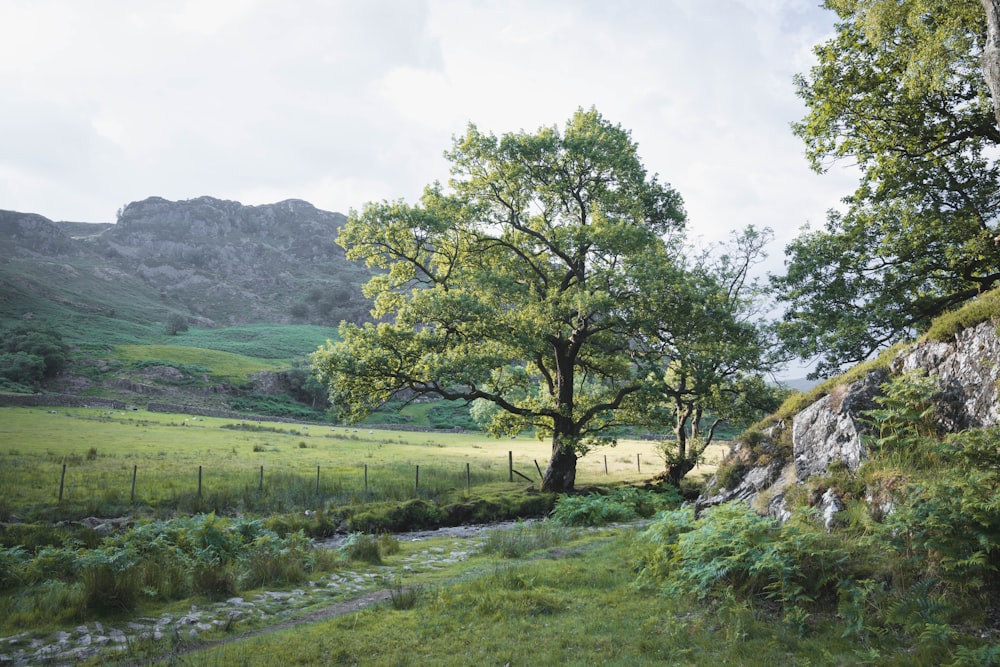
(366, 489)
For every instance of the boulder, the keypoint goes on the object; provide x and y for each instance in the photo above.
(967, 374)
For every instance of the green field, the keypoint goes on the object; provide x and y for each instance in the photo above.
(262, 341)
(222, 366)
(101, 449)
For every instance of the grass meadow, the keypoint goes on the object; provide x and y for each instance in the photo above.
(102, 450)
(570, 603)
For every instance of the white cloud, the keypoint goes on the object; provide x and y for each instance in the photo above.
(340, 102)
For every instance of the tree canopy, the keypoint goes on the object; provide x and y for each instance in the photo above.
(527, 271)
(715, 367)
(900, 91)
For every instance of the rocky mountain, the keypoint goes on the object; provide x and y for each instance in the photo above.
(213, 261)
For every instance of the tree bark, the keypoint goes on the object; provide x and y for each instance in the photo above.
(991, 53)
(560, 476)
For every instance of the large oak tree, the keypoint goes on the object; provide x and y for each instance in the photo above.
(901, 91)
(520, 285)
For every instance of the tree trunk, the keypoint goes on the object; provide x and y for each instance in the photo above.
(677, 471)
(991, 53)
(560, 476)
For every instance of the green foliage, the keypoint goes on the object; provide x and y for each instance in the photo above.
(362, 547)
(948, 524)
(175, 324)
(528, 259)
(275, 406)
(525, 538)
(899, 92)
(734, 550)
(718, 362)
(625, 504)
(164, 561)
(21, 367)
(906, 416)
(29, 353)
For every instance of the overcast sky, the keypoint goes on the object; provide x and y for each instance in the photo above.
(340, 102)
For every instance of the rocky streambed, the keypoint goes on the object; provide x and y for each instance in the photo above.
(333, 594)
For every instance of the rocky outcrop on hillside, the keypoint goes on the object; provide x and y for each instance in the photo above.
(216, 262)
(830, 431)
(235, 263)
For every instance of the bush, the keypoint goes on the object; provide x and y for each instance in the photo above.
(362, 547)
(12, 561)
(523, 539)
(627, 504)
(175, 324)
(734, 550)
(111, 581)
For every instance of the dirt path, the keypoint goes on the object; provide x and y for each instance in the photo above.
(325, 613)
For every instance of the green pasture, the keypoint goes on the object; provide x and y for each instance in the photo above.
(304, 466)
(224, 366)
(263, 341)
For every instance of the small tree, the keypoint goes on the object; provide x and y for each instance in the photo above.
(176, 323)
(715, 366)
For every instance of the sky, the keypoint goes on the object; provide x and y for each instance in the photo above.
(341, 102)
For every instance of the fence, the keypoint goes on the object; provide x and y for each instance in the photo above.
(388, 482)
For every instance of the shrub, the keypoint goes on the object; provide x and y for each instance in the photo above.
(362, 547)
(111, 581)
(734, 550)
(625, 504)
(12, 561)
(523, 539)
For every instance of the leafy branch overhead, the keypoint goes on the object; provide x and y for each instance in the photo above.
(901, 91)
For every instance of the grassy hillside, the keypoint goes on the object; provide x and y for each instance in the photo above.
(263, 341)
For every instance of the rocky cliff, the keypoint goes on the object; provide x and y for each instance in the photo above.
(829, 433)
(216, 262)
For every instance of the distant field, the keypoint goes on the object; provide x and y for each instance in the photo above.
(102, 449)
(265, 341)
(222, 365)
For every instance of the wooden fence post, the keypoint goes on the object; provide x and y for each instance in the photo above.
(260, 483)
(510, 466)
(366, 481)
(62, 482)
(317, 480)
(199, 481)
(638, 465)
(468, 477)
(605, 464)
(135, 469)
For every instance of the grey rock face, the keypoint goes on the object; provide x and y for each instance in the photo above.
(967, 371)
(967, 374)
(830, 429)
